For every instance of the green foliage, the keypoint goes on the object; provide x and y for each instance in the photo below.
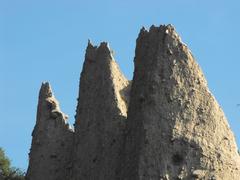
(4, 164)
(6, 171)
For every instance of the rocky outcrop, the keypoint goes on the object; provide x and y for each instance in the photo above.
(52, 142)
(101, 116)
(175, 128)
(164, 125)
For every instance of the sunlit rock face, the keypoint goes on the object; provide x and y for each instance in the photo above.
(163, 125)
(175, 127)
(50, 153)
(101, 116)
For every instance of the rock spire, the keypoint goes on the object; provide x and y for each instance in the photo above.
(101, 115)
(164, 125)
(52, 142)
(175, 127)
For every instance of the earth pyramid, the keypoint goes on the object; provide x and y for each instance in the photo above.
(50, 153)
(164, 124)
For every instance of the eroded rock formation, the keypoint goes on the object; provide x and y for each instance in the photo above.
(101, 116)
(175, 128)
(50, 153)
(164, 125)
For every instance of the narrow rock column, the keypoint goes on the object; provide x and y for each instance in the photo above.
(49, 157)
(101, 116)
(175, 127)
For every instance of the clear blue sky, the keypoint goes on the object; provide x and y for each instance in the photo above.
(45, 40)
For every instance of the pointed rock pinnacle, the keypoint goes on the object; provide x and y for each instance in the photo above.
(101, 115)
(176, 129)
(45, 91)
(164, 125)
(52, 140)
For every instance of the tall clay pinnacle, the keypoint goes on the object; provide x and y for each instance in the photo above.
(45, 91)
(48, 104)
(166, 126)
(101, 115)
(51, 147)
(103, 50)
(175, 128)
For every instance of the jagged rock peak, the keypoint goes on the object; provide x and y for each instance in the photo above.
(100, 62)
(45, 91)
(167, 32)
(49, 105)
(100, 116)
(103, 49)
(167, 29)
(176, 129)
(52, 140)
(172, 128)
(166, 45)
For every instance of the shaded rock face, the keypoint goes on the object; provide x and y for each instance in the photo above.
(175, 128)
(101, 116)
(164, 125)
(52, 141)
